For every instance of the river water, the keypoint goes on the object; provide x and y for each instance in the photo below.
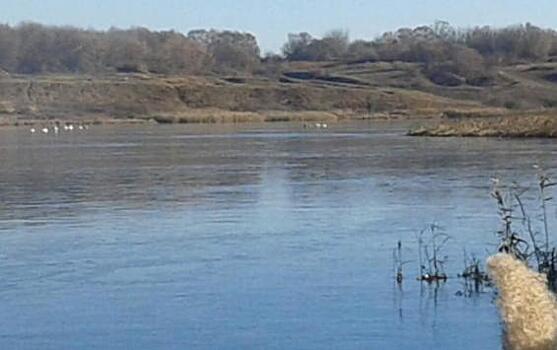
(246, 237)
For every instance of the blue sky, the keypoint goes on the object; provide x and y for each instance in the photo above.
(270, 21)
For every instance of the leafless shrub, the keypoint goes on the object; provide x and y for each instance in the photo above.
(526, 243)
(431, 241)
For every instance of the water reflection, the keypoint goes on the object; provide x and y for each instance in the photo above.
(243, 236)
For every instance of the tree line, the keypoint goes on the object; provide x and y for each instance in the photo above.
(31, 48)
(428, 43)
(441, 48)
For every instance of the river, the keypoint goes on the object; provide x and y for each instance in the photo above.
(264, 236)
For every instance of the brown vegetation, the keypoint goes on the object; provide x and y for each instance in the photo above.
(528, 308)
(211, 115)
(440, 49)
(527, 126)
(31, 48)
(428, 71)
(143, 96)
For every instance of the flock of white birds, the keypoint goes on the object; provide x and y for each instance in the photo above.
(56, 128)
(316, 125)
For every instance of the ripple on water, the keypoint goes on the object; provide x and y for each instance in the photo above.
(245, 236)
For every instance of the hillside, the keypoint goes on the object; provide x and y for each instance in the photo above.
(295, 91)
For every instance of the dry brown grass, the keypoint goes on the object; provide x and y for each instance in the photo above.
(211, 115)
(528, 308)
(380, 90)
(203, 99)
(515, 126)
(471, 113)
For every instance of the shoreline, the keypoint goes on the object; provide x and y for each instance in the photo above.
(132, 99)
(528, 126)
(217, 116)
(448, 123)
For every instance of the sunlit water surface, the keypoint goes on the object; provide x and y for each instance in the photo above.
(245, 237)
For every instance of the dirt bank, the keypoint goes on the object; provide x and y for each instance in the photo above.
(202, 99)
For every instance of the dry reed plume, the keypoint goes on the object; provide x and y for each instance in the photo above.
(528, 308)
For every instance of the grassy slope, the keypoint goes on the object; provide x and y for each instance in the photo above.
(302, 91)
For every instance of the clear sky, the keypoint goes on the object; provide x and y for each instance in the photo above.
(270, 21)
